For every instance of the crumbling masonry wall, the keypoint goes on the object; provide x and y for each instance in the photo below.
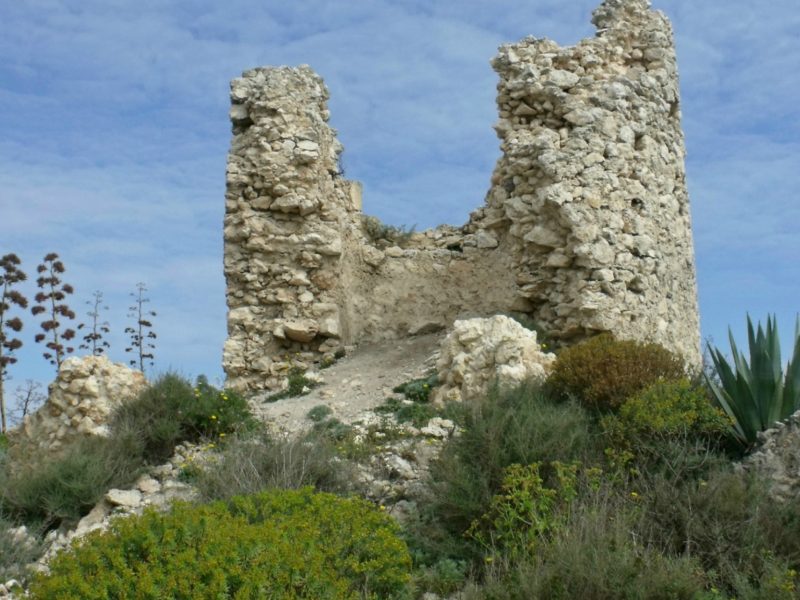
(585, 228)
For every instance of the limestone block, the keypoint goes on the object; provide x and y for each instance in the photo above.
(479, 352)
(127, 498)
(301, 330)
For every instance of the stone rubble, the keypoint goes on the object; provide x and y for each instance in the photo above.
(778, 458)
(586, 226)
(80, 400)
(481, 352)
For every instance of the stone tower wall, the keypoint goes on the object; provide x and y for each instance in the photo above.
(585, 228)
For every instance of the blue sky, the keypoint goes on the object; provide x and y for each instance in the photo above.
(114, 126)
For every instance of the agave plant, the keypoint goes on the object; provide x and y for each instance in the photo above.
(758, 394)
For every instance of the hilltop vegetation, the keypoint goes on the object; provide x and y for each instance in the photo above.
(613, 478)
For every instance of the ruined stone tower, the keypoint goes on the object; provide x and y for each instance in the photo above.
(585, 228)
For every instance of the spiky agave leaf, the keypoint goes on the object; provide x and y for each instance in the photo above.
(756, 394)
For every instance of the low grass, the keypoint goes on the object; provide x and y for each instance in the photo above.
(258, 461)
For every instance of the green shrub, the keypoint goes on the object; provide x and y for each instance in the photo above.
(320, 413)
(256, 462)
(171, 411)
(418, 390)
(516, 426)
(671, 425)
(51, 491)
(444, 577)
(416, 413)
(62, 490)
(673, 408)
(603, 372)
(333, 430)
(288, 544)
(594, 556)
(757, 394)
(728, 522)
(526, 512)
(297, 385)
(16, 553)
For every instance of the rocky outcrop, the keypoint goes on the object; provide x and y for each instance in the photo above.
(778, 458)
(586, 226)
(480, 353)
(80, 401)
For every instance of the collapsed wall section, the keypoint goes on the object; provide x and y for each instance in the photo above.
(591, 184)
(586, 227)
(303, 277)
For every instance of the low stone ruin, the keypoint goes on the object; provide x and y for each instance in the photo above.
(585, 227)
(79, 403)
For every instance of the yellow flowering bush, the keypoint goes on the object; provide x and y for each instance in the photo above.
(673, 408)
(277, 544)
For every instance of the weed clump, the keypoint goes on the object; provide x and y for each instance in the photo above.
(254, 462)
(379, 232)
(297, 385)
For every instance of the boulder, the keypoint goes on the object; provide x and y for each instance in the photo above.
(479, 352)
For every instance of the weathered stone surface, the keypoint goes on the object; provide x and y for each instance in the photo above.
(301, 330)
(127, 498)
(480, 352)
(79, 403)
(586, 226)
(778, 458)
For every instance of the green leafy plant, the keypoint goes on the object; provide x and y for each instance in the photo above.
(672, 426)
(418, 390)
(53, 490)
(47, 492)
(520, 425)
(603, 372)
(757, 393)
(525, 510)
(594, 554)
(406, 411)
(278, 544)
(672, 409)
(297, 385)
(10, 276)
(171, 411)
(445, 577)
(728, 521)
(51, 301)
